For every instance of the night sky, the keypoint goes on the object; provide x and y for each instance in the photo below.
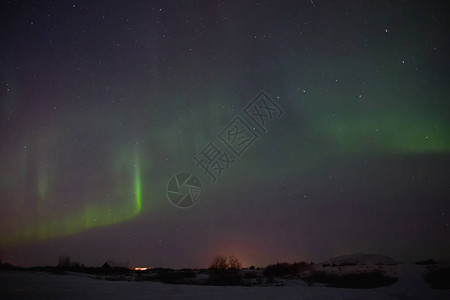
(102, 102)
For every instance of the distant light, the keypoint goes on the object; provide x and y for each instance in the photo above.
(142, 269)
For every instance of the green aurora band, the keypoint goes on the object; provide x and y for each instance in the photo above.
(93, 215)
(333, 122)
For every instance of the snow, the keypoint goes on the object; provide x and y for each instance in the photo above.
(34, 285)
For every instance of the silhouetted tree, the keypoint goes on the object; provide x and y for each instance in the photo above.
(64, 261)
(126, 264)
(234, 263)
(219, 263)
(225, 271)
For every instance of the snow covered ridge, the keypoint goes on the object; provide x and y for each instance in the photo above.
(360, 259)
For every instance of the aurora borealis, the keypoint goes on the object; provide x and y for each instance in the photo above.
(102, 102)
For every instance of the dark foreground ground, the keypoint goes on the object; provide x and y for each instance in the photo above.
(15, 284)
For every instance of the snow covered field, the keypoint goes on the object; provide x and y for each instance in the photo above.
(35, 285)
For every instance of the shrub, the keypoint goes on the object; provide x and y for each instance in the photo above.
(360, 281)
(7, 266)
(227, 277)
(438, 279)
(285, 269)
(426, 262)
(250, 275)
(174, 276)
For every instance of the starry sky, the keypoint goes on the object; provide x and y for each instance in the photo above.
(103, 102)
